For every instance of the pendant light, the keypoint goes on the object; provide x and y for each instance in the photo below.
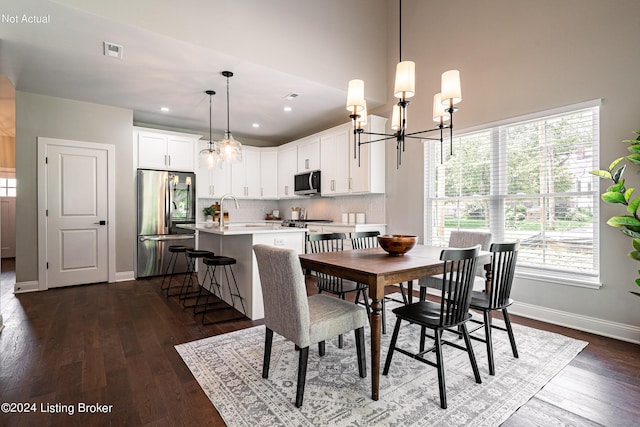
(229, 149)
(209, 157)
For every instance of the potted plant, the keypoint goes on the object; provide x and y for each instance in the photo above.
(619, 193)
(208, 211)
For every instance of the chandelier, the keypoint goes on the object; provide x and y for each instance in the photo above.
(405, 84)
(229, 149)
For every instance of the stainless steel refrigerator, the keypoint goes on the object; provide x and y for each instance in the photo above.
(165, 200)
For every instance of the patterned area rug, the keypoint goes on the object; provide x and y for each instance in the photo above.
(229, 369)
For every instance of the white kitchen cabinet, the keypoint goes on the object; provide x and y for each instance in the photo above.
(309, 154)
(334, 161)
(156, 149)
(269, 173)
(245, 176)
(368, 174)
(212, 183)
(287, 168)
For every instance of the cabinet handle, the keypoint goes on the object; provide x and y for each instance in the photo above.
(350, 183)
(213, 189)
(261, 192)
(306, 163)
(168, 162)
(333, 185)
(286, 190)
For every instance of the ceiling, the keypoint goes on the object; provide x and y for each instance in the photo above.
(174, 51)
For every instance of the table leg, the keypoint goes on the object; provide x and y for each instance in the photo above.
(376, 327)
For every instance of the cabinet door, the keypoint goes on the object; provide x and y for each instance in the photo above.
(220, 180)
(269, 174)
(203, 174)
(334, 162)
(180, 153)
(287, 168)
(309, 154)
(152, 150)
(253, 188)
(237, 176)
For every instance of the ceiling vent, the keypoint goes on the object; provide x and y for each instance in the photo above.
(113, 50)
(291, 96)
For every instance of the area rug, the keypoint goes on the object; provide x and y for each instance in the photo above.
(229, 369)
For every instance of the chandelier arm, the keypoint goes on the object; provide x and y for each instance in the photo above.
(377, 140)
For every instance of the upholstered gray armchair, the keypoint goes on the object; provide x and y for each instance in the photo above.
(303, 320)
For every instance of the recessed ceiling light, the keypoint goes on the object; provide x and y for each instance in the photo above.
(291, 95)
(164, 109)
(287, 109)
(256, 125)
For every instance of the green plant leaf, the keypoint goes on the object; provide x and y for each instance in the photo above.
(634, 158)
(631, 233)
(634, 255)
(633, 204)
(635, 148)
(618, 174)
(635, 293)
(613, 197)
(602, 174)
(624, 221)
(636, 244)
(628, 193)
(618, 187)
(615, 163)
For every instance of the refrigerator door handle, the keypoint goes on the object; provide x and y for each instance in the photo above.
(167, 237)
(167, 207)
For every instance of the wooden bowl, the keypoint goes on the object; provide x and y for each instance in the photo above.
(397, 244)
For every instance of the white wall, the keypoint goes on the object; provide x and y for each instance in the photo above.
(39, 115)
(517, 58)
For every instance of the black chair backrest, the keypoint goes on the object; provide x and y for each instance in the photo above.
(457, 284)
(503, 266)
(364, 239)
(327, 242)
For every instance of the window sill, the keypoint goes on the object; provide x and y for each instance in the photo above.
(581, 281)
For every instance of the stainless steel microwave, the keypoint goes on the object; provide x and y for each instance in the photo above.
(307, 183)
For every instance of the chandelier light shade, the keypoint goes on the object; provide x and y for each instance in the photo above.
(405, 88)
(209, 157)
(228, 148)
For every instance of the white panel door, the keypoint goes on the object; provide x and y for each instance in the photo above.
(8, 227)
(77, 240)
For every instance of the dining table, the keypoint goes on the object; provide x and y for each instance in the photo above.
(378, 269)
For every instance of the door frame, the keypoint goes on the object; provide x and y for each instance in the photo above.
(43, 145)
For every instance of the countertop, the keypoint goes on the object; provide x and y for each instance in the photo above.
(241, 228)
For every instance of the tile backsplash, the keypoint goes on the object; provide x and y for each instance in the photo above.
(332, 208)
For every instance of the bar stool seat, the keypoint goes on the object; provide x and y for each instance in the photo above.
(215, 287)
(175, 251)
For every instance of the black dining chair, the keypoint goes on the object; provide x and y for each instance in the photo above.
(452, 311)
(365, 240)
(503, 266)
(332, 242)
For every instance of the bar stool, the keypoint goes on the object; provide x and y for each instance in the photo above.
(175, 251)
(215, 287)
(192, 258)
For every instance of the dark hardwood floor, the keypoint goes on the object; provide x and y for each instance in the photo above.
(113, 344)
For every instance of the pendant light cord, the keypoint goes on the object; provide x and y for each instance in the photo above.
(400, 29)
(228, 128)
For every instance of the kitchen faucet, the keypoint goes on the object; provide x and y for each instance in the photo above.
(221, 213)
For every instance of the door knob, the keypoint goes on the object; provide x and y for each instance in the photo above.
(101, 222)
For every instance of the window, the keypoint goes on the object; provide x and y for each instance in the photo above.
(7, 187)
(525, 179)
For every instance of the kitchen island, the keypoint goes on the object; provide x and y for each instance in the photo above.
(236, 241)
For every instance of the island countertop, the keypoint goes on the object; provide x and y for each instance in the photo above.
(242, 228)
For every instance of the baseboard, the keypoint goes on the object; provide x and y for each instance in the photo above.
(124, 276)
(23, 287)
(606, 328)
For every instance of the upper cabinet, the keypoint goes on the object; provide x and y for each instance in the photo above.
(245, 176)
(309, 154)
(334, 160)
(287, 168)
(157, 149)
(269, 173)
(367, 174)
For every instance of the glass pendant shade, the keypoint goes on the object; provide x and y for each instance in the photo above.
(209, 157)
(439, 113)
(450, 88)
(230, 150)
(395, 118)
(355, 97)
(405, 86)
